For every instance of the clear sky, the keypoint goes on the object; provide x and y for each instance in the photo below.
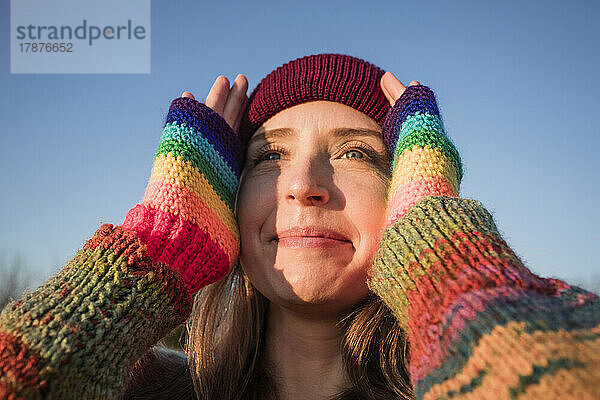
(516, 83)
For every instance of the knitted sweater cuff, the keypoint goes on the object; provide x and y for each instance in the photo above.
(78, 335)
(444, 247)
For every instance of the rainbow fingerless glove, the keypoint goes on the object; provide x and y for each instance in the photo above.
(186, 218)
(479, 323)
(78, 335)
(425, 161)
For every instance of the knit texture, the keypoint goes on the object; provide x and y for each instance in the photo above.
(425, 161)
(333, 77)
(187, 217)
(480, 324)
(76, 336)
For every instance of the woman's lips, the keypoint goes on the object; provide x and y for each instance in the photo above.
(310, 242)
(311, 237)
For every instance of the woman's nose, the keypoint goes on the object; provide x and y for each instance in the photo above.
(306, 184)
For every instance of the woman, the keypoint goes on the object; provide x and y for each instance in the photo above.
(341, 256)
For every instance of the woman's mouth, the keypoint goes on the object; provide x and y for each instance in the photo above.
(310, 242)
(311, 237)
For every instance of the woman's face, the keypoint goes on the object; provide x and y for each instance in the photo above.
(311, 205)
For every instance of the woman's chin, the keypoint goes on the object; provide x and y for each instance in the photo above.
(310, 281)
(316, 294)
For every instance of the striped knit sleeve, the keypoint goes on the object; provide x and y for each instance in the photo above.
(78, 335)
(479, 323)
(425, 161)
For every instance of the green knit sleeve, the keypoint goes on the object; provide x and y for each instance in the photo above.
(78, 335)
(480, 324)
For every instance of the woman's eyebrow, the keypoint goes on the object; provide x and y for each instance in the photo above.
(346, 132)
(336, 132)
(272, 134)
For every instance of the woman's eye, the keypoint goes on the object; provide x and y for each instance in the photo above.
(272, 156)
(268, 152)
(353, 154)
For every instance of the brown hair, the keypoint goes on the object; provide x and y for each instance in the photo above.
(225, 350)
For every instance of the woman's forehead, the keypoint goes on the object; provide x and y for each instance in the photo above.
(326, 115)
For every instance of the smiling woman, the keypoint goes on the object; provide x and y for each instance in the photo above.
(310, 215)
(327, 256)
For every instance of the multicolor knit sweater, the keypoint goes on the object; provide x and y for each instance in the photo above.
(480, 324)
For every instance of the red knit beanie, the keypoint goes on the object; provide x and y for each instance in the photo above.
(334, 77)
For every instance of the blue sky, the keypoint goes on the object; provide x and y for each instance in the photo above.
(516, 84)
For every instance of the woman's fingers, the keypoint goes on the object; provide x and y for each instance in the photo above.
(188, 95)
(235, 101)
(238, 120)
(392, 87)
(217, 96)
(229, 103)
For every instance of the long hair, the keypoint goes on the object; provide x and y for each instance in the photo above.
(225, 349)
(226, 346)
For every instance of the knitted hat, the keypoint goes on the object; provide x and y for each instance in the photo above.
(334, 77)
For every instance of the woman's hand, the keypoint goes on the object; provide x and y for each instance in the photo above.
(228, 103)
(393, 88)
(425, 161)
(187, 218)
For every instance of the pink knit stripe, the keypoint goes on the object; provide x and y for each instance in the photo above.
(409, 194)
(181, 245)
(433, 352)
(128, 245)
(172, 198)
(470, 262)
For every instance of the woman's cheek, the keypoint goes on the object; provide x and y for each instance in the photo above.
(367, 190)
(255, 204)
(366, 202)
(255, 187)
